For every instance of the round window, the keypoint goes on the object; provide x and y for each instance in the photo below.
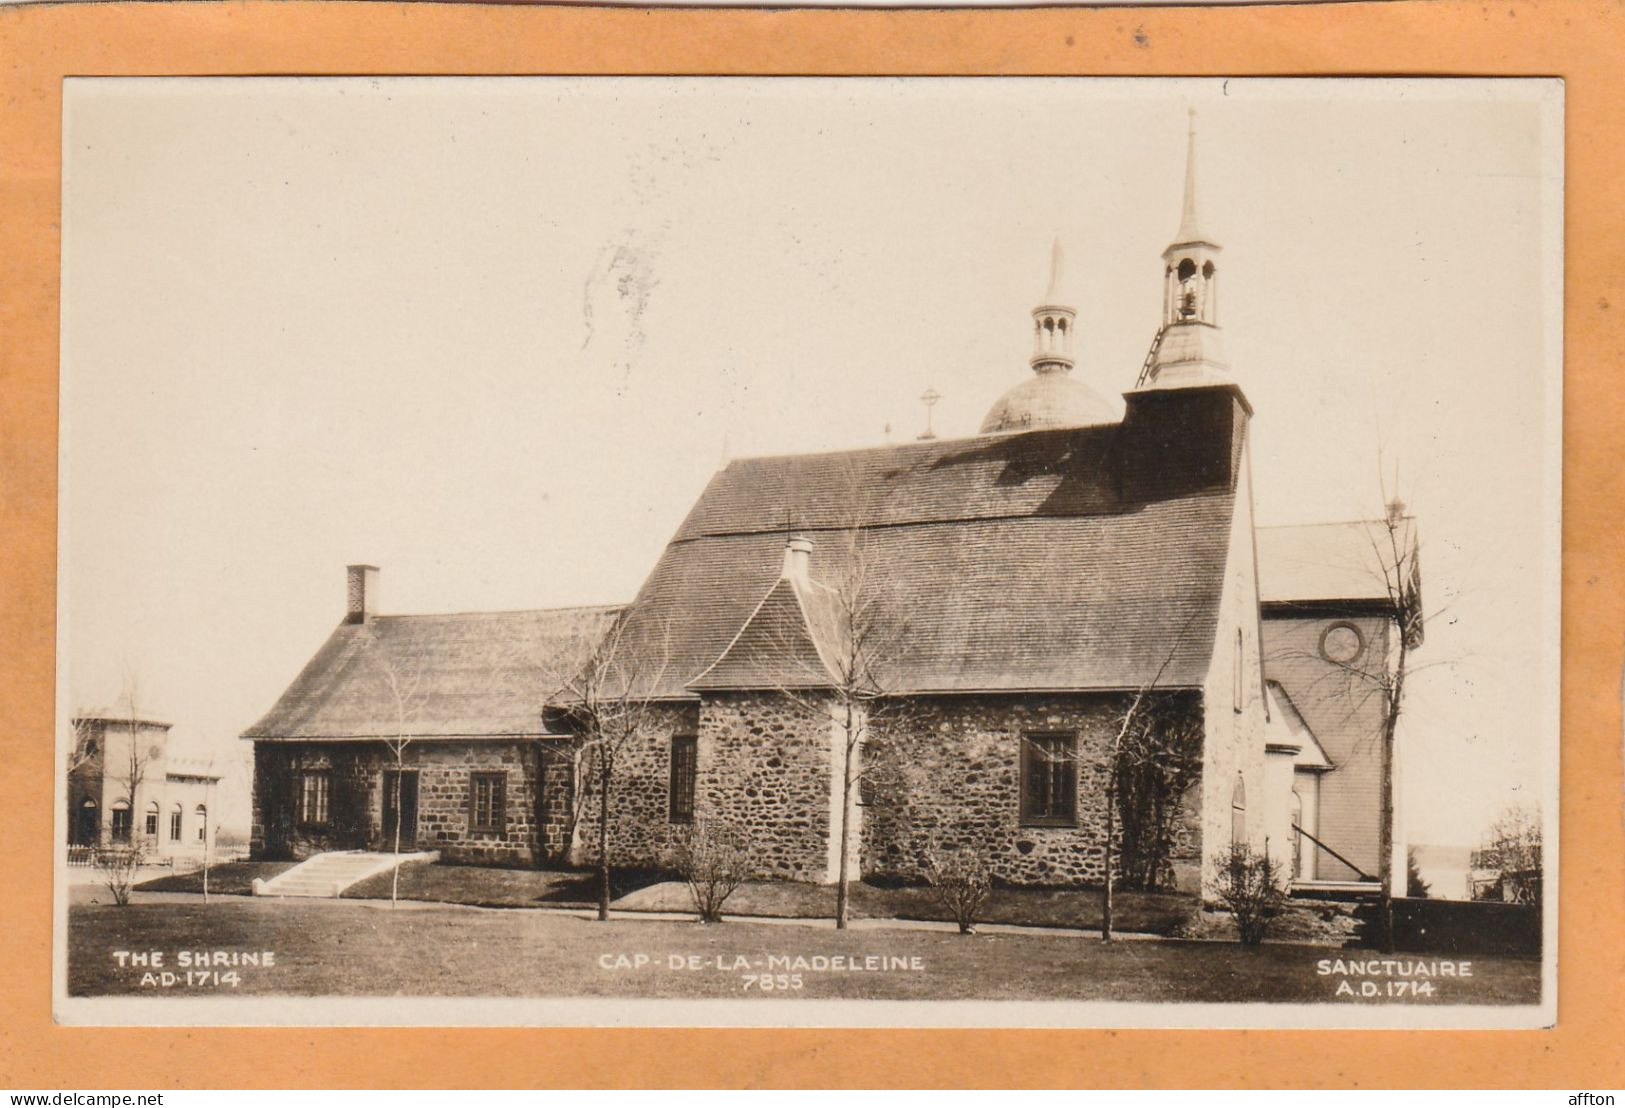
(1341, 642)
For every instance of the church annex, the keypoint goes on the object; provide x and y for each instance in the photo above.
(1006, 601)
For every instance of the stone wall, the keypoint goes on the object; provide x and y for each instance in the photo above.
(765, 768)
(356, 799)
(640, 829)
(945, 773)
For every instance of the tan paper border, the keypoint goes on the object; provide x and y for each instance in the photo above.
(1579, 40)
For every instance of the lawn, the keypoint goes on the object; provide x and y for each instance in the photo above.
(483, 886)
(228, 878)
(1151, 913)
(348, 948)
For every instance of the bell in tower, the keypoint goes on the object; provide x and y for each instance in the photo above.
(1188, 349)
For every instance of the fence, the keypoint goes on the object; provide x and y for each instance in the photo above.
(1466, 927)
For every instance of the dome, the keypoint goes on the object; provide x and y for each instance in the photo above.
(1047, 400)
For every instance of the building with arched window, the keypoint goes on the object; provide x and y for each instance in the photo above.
(127, 789)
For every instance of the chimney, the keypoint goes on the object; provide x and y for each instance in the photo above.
(362, 593)
(1396, 511)
(797, 555)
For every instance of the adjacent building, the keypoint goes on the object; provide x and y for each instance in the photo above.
(127, 789)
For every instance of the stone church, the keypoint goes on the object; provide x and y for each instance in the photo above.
(998, 608)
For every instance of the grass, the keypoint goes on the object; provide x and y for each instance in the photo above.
(346, 948)
(227, 879)
(1151, 913)
(483, 886)
(489, 887)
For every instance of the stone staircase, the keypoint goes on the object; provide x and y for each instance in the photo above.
(328, 875)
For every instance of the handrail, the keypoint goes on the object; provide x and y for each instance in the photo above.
(1364, 876)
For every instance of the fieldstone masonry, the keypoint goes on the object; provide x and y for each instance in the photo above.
(944, 774)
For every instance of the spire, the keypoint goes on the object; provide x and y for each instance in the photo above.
(1049, 398)
(1188, 350)
(1053, 293)
(1188, 224)
(1053, 321)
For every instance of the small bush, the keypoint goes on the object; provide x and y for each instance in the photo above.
(1253, 887)
(961, 882)
(1414, 885)
(712, 860)
(117, 868)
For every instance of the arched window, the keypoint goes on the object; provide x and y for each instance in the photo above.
(121, 821)
(151, 828)
(175, 824)
(89, 827)
(1238, 812)
(202, 824)
(1207, 270)
(1187, 270)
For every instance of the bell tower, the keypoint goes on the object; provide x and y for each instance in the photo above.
(1188, 349)
(1190, 264)
(1054, 323)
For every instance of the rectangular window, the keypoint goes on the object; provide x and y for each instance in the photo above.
(313, 791)
(1049, 780)
(152, 823)
(121, 825)
(487, 794)
(684, 769)
(175, 825)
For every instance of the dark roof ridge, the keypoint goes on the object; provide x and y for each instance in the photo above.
(502, 612)
(922, 444)
(1125, 507)
(1330, 522)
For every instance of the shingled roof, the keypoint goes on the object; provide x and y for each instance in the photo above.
(464, 675)
(1347, 561)
(1033, 561)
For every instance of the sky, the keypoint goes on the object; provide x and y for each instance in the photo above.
(495, 335)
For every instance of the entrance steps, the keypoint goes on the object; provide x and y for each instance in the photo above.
(329, 874)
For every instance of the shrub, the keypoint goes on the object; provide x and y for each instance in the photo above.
(712, 860)
(961, 883)
(1253, 887)
(1414, 885)
(117, 867)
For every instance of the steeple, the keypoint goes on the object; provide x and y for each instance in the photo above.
(1188, 223)
(1053, 322)
(1188, 349)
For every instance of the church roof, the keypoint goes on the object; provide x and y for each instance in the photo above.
(468, 674)
(1321, 562)
(1019, 561)
(789, 642)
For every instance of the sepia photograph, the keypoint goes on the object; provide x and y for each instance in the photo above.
(657, 551)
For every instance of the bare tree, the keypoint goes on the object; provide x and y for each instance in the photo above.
(118, 862)
(404, 686)
(1390, 558)
(860, 626)
(1154, 753)
(1515, 850)
(608, 701)
(135, 762)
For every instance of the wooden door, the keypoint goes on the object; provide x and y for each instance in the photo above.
(406, 813)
